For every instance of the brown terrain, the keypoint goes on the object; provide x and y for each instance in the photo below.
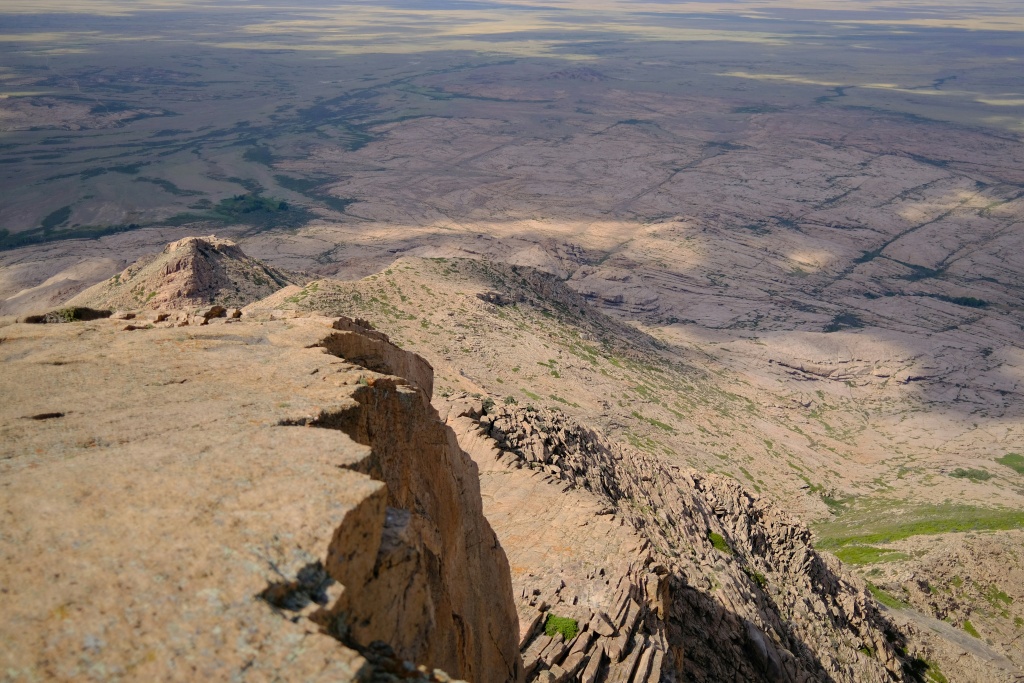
(257, 487)
(222, 533)
(614, 342)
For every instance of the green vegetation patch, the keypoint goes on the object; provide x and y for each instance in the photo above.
(972, 474)
(757, 577)
(866, 554)
(881, 522)
(718, 541)
(44, 235)
(312, 189)
(70, 314)
(969, 627)
(564, 625)
(1015, 461)
(995, 595)
(654, 423)
(252, 208)
(929, 669)
(242, 204)
(55, 218)
(886, 598)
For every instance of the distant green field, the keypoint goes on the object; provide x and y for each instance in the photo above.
(889, 521)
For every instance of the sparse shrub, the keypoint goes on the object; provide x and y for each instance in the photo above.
(487, 404)
(510, 400)
(67, 315)
(757, 577)
(969, 301)
(564, 625)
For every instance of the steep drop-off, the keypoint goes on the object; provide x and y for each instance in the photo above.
(172, 512)
(727, 585)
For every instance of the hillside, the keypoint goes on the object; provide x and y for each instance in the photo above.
(646, 539)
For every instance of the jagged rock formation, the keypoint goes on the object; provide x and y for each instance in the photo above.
(571, 559)
(171, 510)
(723, 586)
(189, 273)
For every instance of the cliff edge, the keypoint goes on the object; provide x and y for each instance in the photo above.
(240, 500)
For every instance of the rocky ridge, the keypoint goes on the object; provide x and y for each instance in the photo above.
(723, 585)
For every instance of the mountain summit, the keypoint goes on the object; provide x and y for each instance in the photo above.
(194, 271)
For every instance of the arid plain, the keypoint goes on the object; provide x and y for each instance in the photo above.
(787, 242)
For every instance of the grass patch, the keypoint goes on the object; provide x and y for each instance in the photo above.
(889, 521)
(969, 627)
(866, 554)
(972, 474)
(718, 541)
(994, 595)
(564, 625)
(1015, 461)
(930, 670)
(886, 598)
(654, 423)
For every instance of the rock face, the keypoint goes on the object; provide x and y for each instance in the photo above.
(189, 273)
(242, 500)
(720, 584)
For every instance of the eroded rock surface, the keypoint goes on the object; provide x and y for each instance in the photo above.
(171, 511)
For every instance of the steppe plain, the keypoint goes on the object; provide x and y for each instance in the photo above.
(786, 241)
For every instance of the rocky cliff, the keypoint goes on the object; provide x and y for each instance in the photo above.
(720, 585)
(239, 500)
